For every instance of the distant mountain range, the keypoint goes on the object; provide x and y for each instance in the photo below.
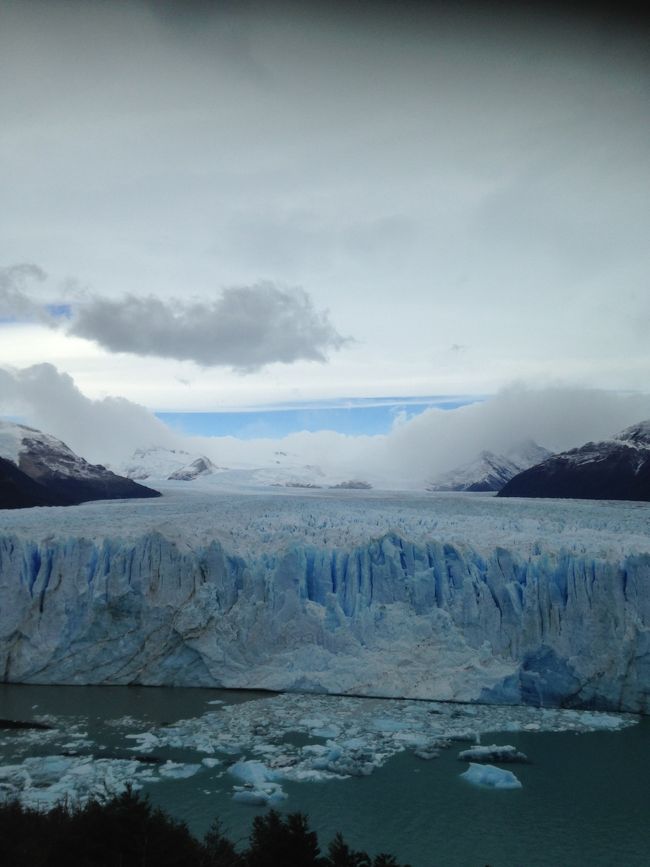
(490, 471)
(614, 469)
(37, 469)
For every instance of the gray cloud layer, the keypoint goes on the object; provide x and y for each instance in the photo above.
(434, 173)
(245, 327)
(15, 301)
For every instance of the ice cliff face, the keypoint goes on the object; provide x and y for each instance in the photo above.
(388, 617)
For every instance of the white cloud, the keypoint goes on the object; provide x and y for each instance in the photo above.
(417, 449)
(100, 430)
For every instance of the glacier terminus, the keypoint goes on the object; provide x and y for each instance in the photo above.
(435, 596)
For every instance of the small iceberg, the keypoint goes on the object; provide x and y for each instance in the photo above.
(491, 777)
(178, 770)
(506, 754)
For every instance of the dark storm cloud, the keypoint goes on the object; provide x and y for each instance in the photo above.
(245, 328)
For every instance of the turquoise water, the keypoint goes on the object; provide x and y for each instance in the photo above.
(585, 798)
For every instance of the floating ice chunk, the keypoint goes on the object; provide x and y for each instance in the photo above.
(464, 735)
(147, 742)
(210, 762)
(354, 743)
(493, 753)
(312, 723)
(178, 770)
(601, 721)
(253, 773)
(427, 753)
(331, 731)
(216, 701)
(412, 739)
(260, 783)
(491, 777)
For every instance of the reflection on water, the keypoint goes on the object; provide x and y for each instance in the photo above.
(584, 798)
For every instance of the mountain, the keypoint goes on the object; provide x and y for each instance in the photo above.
(615, 469)
(155, 462)
(18, 491)
(158, 462)
(202, 466)
(37, 469)
(489, 471)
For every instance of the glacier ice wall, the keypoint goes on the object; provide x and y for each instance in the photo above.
(389, 618)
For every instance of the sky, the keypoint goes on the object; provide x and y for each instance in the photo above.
(243, 205)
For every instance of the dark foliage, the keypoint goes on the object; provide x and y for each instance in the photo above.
(127, 831)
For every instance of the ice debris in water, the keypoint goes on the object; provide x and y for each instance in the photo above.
(349, 736)
(42, 781)
(491, 777)
(288, 737)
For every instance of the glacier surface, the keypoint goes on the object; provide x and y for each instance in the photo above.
(445, 597)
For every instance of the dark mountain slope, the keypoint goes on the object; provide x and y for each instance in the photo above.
(616, 469)
(58, 475)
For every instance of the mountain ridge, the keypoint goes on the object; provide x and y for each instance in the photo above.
(40, 470)
(614, 469)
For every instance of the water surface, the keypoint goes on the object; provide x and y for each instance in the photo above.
(585, 797)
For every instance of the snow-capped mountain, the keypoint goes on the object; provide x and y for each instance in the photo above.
(201, 466)
(39, 469)
(155, 462)
(489, 471)
(615, 469)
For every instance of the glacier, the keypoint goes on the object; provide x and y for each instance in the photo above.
(446, 598)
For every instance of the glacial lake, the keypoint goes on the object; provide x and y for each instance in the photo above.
(585, 797)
